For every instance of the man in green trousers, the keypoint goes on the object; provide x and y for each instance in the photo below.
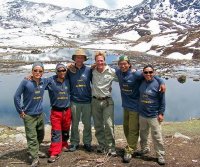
(31, 110)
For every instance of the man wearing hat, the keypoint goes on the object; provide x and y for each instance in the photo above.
(80, 91)
(129, 82)
(59, 94)
(31, 110)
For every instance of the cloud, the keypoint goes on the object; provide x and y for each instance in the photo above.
(122, 3)
(65, 3)
(114, 4)
(111, 4)
(107, 4)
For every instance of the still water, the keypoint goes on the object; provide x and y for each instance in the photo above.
(182, 100)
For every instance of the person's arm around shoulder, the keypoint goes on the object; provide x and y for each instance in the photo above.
(48, 82)
(162, 83)
(71, 67)
(114, 73)
(138, 74)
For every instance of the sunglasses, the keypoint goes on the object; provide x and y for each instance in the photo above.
(40, 71)
(148, 72)
(61, 70)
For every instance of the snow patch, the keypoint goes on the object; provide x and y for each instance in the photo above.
(177, 55)
(192, 43)
(131, 35)
(154, 53)
(142, 47)
(154, 26)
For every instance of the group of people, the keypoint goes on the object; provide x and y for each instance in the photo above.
(81, 93)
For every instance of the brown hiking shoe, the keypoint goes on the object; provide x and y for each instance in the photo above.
(142, 152)
(161, 160)
(35, 162)
(112, 152)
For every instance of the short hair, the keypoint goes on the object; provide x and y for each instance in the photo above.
(148, 66)
(100, 53)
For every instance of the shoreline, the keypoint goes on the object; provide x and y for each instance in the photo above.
(116, 125)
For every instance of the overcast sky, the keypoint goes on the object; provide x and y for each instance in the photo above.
(107, 4)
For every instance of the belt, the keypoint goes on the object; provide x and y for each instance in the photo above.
(59, 108)
(101, 98)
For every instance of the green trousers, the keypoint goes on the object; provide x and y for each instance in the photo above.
(131, 129)
(34, 128)
(103, 116)
(81, 111)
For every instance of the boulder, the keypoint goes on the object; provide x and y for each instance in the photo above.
(20, 138)
(181, 79)
(36, 51)
(179, 135)
(143, 32)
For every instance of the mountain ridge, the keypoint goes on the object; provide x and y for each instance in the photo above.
(146, 22)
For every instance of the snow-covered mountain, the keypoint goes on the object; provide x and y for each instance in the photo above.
(156, 27)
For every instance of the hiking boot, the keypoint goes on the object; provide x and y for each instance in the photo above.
(87, 147)
(101, 149)
(142, 152)
(35, 162)
(65, 149)
(112, 152)
(53, 158)
(127, 157)
(73, 148)
(30, 159)
(42, 155)
(161, 160)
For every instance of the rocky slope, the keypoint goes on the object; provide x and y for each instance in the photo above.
(163, 26)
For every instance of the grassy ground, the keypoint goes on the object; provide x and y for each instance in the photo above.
(180, 152)
(191, 128)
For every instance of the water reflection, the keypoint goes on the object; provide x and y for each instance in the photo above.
(182, 100)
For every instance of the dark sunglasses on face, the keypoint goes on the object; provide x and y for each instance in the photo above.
(61, 71)
(40, 71)
(148, 72)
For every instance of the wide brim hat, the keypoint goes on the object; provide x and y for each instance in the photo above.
(79, 52)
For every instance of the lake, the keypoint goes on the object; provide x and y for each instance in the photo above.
(182, 100)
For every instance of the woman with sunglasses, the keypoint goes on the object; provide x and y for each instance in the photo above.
(58, 88)
(151, 110)
(31, 110)
(129, 82)
(59, 94)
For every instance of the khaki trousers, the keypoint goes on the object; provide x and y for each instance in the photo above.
(81, 111)
(145, 125)
(103, 116)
